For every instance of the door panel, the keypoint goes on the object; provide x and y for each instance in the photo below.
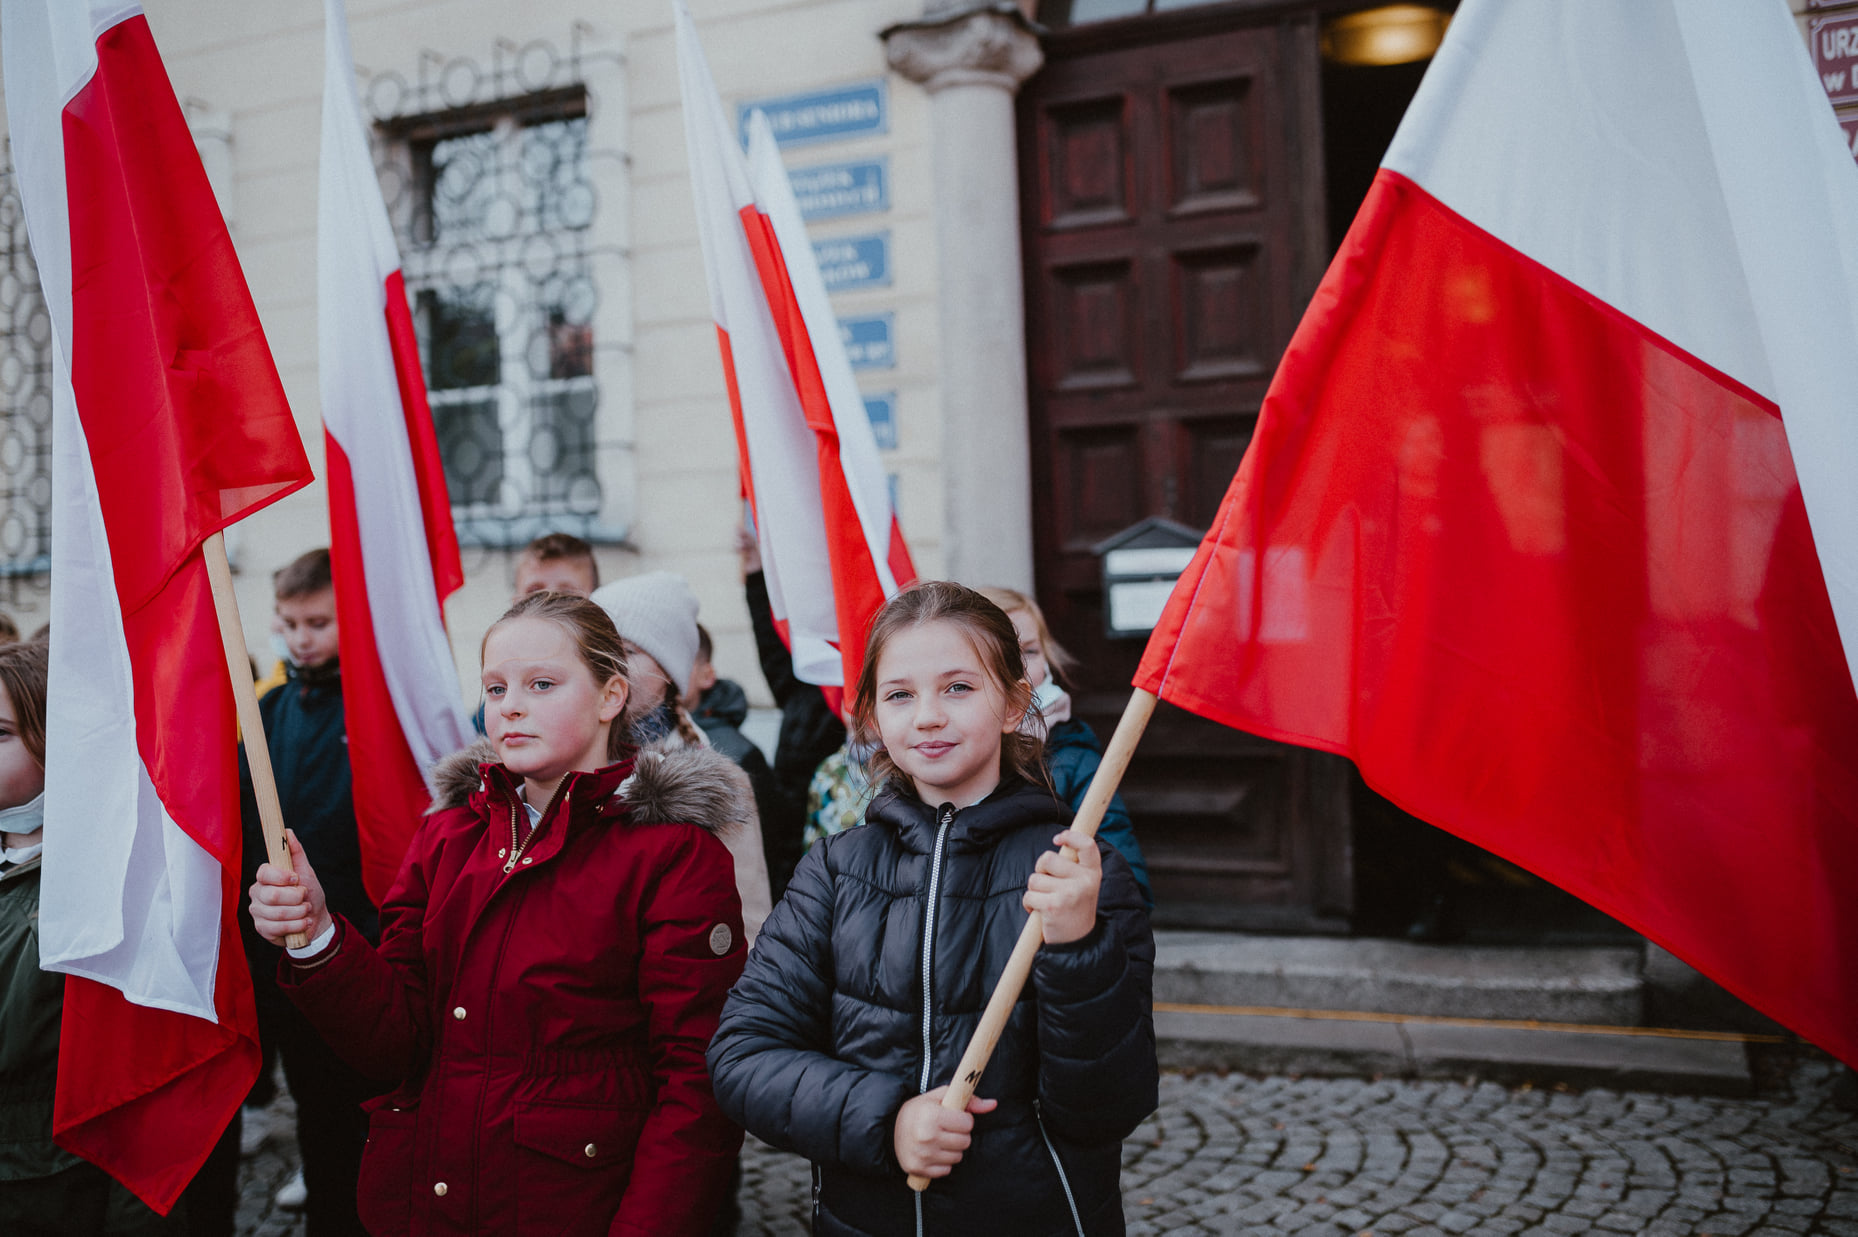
(1169, 206)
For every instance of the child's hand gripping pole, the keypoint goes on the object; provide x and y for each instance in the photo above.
(1019, 965)
(245, 697)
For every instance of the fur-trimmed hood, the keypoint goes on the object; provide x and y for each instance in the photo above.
(670, 782)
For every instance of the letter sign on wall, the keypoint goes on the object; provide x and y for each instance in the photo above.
(868, 341)
(856, 110)
(835, 189)
(1835, 56)
(882, 410)
(848, 262)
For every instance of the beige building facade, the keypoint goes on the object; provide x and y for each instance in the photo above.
(534, 161)
(641, 419)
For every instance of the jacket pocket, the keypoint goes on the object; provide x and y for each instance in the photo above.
(383, 1192)
(574, 1162)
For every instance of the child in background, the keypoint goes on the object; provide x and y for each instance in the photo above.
(872, 973)
(1072, 752)
(45, 1191)
(656, 615)
(306, 733)
(553, 958)
(556, 563)
(719, 706)
(840, 792)
(552, 563)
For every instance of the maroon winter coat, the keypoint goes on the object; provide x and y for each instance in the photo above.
(544, 1029)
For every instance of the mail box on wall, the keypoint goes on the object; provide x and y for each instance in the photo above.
(1140, 567)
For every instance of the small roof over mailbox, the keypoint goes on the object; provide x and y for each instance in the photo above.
(1140, 566)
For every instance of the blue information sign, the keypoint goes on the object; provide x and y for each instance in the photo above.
(822, 115)
(847, 262)
(882, 409)
(868, 342)
(834, 189)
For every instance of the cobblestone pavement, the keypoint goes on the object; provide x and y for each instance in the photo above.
(1335, 1157)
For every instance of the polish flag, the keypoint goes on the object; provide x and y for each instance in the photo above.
(393, 551)
(831, 549)
(168, 424)
(1549, 522)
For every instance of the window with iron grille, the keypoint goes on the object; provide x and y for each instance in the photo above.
(25, 402)
(495, 227)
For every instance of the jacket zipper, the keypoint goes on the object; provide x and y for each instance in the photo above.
(935, 888)
(1069, 1198)
(517, 848)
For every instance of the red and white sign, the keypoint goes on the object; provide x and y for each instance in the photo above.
(168, 423)
(1849, 126)
(1549, 521)
(1834, 41)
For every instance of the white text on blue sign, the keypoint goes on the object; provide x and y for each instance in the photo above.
(882, 411)
(832, 190)
(868, 341)
(822, 115)
(847, 262)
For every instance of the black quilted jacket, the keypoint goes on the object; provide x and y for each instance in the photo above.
(832, 1026)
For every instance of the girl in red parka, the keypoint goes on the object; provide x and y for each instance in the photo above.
(553, 959)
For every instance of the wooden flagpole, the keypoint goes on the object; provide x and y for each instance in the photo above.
(251, 722)
(1019, 964)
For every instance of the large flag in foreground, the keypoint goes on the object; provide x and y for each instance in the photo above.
(169, 423)
(392, 547)
(1549, 522)
(830, 545)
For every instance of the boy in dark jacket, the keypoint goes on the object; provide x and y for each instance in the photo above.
(307, 736)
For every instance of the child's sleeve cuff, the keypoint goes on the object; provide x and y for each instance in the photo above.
(316, 946)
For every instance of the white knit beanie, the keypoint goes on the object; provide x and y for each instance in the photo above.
(658, 612)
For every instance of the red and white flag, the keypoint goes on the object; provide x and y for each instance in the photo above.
(1549, 521)
(168, 424)
(830, 546)
(392, 548)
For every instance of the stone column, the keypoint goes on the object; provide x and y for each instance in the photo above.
(971, 60)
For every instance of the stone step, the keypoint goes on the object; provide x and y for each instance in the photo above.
(1601, 985)
(1324, 1044)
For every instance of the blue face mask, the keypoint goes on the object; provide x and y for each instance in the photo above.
(655, 725)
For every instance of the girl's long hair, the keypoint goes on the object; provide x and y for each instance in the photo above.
(991, 632)
(22, 673)
(1012, 601)
(595, 639)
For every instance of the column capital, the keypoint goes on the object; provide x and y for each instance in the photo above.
(974, 45)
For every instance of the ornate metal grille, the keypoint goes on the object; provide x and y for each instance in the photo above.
(25, 406)
(494, 207)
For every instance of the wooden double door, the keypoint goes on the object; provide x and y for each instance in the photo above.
(1172, 193)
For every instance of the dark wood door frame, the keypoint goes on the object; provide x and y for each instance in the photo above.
(1140, 410)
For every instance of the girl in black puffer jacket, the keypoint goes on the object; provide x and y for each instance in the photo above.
(870, 976)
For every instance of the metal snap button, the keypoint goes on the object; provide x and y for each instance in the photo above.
(459, 1013)
(588, 1150)
(439, 1188)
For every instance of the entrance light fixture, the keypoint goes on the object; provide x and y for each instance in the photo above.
(1389, 34)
